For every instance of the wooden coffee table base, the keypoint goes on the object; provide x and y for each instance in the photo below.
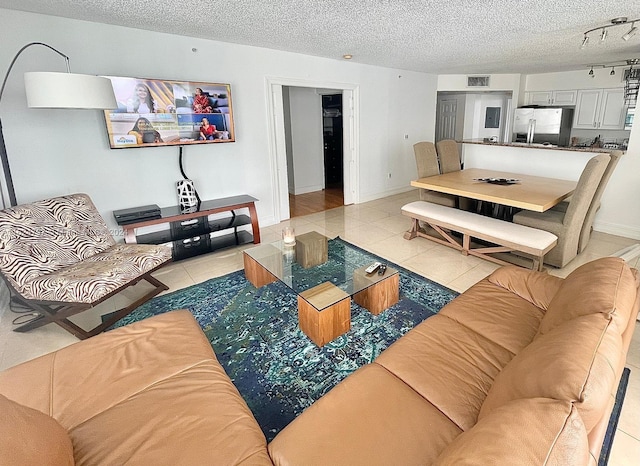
(321, 323)
(380, 296)
(257, 275)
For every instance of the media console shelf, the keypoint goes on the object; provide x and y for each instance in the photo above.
(190, 233)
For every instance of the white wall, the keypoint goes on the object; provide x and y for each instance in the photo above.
(306, 139)
(479, 111)
(56, 152)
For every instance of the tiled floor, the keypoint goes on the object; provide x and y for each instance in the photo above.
(376, 226)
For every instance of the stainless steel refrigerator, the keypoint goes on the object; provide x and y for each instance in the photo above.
(543, 125)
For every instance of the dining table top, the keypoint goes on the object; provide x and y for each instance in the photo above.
(529, 192)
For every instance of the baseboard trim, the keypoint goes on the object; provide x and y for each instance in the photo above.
(617, 229)
(308, 189)
(378, 195)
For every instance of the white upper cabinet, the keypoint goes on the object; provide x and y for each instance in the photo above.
(564, 97)
(613, 111)
(551, 97)
(538, 98)
(599, 109)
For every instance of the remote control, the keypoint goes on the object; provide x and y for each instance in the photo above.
(382, 269)
(373, 267)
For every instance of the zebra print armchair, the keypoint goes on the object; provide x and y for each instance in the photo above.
(58, 258)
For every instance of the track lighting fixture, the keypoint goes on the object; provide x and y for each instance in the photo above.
(614, 22)
(631, 77)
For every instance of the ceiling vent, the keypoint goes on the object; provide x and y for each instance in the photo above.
(477, 81)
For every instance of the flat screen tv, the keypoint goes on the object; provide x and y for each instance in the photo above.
(154, 112)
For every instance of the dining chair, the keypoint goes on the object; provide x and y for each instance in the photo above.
(449, 156)
(427, 164)
(567, 226)
(450, 161)
(587, 227)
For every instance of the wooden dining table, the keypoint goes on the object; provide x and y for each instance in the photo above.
(529, 192)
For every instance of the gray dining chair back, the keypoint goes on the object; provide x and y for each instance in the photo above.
(427, 164)
(449, 156)
(567, 226)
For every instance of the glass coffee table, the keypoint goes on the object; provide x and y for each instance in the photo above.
(324, 285)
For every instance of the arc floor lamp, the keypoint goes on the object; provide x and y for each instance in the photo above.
(55, 90)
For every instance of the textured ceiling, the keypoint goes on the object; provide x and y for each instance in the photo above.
(432, 36)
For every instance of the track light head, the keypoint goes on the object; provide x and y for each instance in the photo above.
(585, 41)
(631, 32)
(591, 72)
(603, 35)
(612, 72)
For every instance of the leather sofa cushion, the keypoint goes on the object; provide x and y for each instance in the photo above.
(369, 418)
(538, 288)
(31, 438)
(574, 362)
(148, 393)
(448, 364)
(527, 431)
(614, 294)
(497, 313)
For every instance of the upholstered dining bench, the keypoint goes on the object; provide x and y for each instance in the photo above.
(509, 236)
(58, 258)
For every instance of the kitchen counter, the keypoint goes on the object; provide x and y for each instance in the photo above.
(536, 146)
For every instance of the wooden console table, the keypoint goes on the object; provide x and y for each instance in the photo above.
(190, 232)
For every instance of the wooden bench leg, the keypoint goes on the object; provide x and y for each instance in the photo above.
(537, 263)
(466, 244)
(414, 229)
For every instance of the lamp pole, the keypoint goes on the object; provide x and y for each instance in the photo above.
(3, 149)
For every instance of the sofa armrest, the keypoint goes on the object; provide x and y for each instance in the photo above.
(538, 288)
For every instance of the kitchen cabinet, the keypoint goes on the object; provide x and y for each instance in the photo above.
(551, 97)
(599, 109)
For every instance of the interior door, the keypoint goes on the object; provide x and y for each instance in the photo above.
(447, 112)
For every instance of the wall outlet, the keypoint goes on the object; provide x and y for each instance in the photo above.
(389, 175)
(406, 136)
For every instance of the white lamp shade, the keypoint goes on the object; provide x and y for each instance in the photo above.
(68, 90)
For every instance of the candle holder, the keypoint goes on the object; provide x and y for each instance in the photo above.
(289, 236)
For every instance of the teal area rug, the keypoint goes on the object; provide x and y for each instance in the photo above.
(277, 369)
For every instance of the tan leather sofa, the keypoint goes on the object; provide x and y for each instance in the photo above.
(520, 369)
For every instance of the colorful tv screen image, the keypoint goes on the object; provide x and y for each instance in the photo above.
(154, 112)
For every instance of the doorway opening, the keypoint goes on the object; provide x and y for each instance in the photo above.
(305, 118)
(332, 194)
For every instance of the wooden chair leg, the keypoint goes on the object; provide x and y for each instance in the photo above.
(159, 287)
